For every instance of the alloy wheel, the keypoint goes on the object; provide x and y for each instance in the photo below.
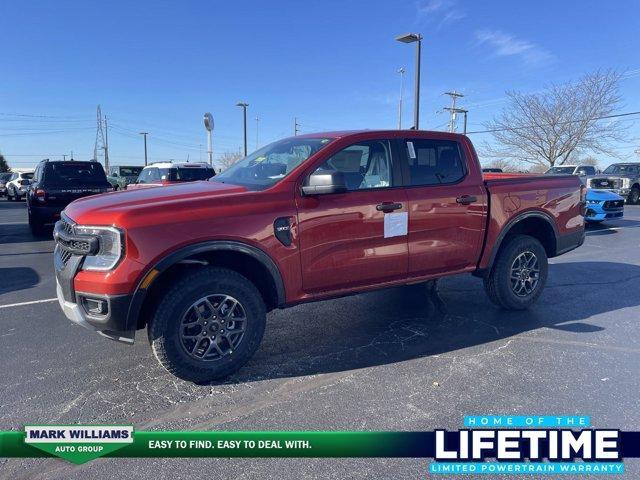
(525, 274)
(213, 327)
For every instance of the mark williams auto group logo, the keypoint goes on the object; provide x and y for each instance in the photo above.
(78, 444)
(521, 443)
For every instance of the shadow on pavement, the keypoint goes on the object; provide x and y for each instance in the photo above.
(21, 233)
(401, 324)
(17, 278)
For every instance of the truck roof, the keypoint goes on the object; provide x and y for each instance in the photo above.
(391, 133)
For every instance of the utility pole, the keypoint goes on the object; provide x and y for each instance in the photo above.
(257, 128)
(401, 71)
(295, 126)
(244, 106)
(453, 110)
(64, 157)
(144, 134)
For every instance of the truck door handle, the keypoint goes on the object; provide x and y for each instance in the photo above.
(387, 207)
(466, 199)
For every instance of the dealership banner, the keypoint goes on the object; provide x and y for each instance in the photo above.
(487, 444)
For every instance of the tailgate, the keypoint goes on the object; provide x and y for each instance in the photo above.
(60, 195)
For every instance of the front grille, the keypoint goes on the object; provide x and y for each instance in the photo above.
(604, 183)
(62, 252)
(613, 204)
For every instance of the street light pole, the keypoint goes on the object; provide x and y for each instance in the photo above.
(401, 72)
(417, 39)
(145, 146)
(244, 106)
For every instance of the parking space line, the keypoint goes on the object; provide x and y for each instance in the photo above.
(46, 300)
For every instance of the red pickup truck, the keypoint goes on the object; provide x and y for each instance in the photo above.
(306, 218)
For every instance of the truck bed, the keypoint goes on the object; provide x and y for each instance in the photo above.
(512, 195)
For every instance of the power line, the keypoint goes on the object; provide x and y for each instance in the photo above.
(567, 122)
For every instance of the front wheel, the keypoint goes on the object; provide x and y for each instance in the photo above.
(208, 325)
(634, 196)
(519, 273)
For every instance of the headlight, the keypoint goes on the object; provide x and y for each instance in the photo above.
(592, 202)
(110, 251)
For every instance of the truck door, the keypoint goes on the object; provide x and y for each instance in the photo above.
(345, 240)
(447, 205)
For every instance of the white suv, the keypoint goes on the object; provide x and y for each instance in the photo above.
(18, 185)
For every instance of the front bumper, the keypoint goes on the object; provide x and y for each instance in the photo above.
(78, 315)
(597, 213)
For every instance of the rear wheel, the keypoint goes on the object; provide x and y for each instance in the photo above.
(208, 325)
(519, 273)
(634, 196)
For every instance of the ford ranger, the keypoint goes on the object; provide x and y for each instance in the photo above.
(306, 218)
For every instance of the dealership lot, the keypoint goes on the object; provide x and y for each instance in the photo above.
(388, 360)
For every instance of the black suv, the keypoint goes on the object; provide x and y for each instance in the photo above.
(56, 184)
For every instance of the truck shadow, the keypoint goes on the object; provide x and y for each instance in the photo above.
(401, 324)
(17, 278)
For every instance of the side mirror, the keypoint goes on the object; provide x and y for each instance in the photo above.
(323, 182)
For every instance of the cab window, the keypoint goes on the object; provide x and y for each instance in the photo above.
(434, 162)
(364, 165)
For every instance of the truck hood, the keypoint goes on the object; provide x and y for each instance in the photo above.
(116, 207)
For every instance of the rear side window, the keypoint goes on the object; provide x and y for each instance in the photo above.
(434, 162)
(74, 172)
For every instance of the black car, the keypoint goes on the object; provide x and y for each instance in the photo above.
(56, 184)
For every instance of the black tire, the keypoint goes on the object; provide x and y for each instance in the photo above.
(37, 228)
(164, 330)
(498, 284)
(10, 197)
(634, 196)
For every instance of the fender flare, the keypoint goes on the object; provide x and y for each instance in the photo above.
(172, 258)
(512, 223)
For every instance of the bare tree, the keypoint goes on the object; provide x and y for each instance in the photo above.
(504, 164)
(549, 128)
(229, 158)
(588, 161)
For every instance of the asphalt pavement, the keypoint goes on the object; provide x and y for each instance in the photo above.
(387, 360)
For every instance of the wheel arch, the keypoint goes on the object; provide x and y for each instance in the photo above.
(246, 259)
(536, 224)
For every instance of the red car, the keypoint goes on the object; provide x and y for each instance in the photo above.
(166, 173)
(306, 218)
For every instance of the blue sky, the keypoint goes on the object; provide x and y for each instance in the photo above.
(158, 66)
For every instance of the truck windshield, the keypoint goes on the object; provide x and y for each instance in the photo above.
(130, 171)
(622, 170)
(560, 171)
(270, 164)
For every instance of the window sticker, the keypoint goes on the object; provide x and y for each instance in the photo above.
(412, 151)
(395, 224)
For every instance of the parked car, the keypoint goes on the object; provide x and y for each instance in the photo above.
(303, 219)
(18, 185)
(167, 173)
(581, 170)
(121, 176)
(56, 184)
(4, 178)
(491, 170)
(603, 205)
(620, 178)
